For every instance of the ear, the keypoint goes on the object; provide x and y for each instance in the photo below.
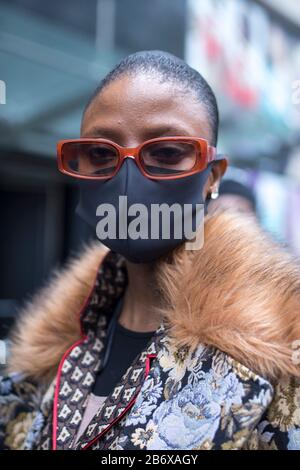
(219, 167)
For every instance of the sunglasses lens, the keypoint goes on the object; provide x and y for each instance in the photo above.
(87, 159)
(169, 158)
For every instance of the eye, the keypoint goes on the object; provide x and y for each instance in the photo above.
(170, 154)
(166, 152)
(101, 154)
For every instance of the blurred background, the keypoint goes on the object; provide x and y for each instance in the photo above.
(53, 55)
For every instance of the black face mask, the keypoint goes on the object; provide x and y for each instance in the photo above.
(130, 182)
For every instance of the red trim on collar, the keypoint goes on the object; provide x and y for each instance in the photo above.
(130, 404)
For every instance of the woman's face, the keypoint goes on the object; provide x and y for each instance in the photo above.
(133, 109)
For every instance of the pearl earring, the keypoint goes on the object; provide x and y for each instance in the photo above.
(215, 193)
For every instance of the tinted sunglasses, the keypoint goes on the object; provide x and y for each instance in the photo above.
(161, 158)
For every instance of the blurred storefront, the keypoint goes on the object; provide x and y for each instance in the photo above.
(252, 59)
(250, 52)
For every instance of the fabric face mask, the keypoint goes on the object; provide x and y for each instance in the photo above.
(124, 211)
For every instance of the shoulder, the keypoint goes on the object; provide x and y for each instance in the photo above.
(20, 400)
(49, 323)
(279, 427)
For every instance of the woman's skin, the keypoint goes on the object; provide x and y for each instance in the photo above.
(128, 111)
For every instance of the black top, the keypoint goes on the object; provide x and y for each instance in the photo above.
(125, 346)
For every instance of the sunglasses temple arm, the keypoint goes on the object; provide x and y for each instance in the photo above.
(214, 156)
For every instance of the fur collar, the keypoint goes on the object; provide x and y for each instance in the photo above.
(240, 293)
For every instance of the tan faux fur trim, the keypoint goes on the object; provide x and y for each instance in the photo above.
(49, 324)
(239, 293)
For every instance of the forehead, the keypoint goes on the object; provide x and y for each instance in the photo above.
(143, 103)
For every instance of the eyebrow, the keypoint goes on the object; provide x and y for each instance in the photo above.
(151, 132)
(104, 132)
(163, 130)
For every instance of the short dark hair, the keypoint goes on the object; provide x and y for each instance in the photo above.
(171, 69)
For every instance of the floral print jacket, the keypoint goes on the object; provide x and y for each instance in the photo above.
(171, 397)
(201, 401)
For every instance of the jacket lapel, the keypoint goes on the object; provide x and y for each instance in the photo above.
(106, 421)
(76, 377)
(81, 362)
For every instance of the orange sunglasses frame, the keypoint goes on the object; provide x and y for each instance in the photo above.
(207, 152)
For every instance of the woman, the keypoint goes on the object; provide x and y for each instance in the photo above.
(154, 345)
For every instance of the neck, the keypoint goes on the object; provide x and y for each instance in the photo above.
(140, 299)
